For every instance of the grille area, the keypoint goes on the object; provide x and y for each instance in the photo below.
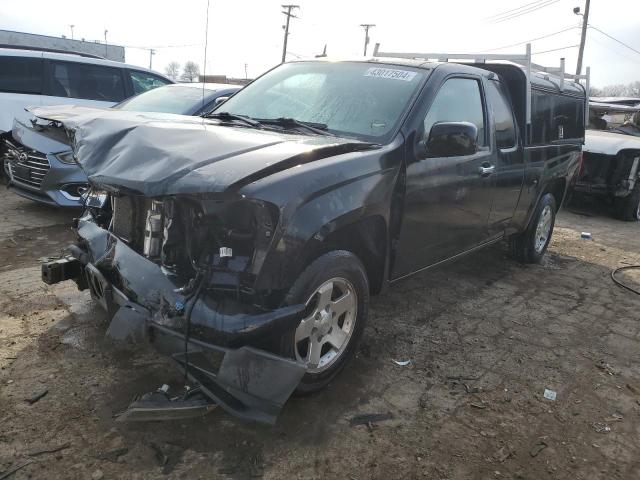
(27, 167)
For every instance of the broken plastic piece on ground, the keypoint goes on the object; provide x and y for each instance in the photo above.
(368, 418)
(585, 236)
(615, 417)
(402, 363)
(549, 394)
(37, 396)
(610, 369)
(537, 448)
(601, 427)
(158, 406)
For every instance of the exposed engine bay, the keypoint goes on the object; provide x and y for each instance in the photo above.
(187, 236)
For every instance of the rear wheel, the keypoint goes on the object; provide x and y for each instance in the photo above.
(335, 289)
(628, 208)
(531, 245)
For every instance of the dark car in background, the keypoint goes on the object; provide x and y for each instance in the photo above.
(43, 169)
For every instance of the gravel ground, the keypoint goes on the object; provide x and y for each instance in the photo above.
(486, 336)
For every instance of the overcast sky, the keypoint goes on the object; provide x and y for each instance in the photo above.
(250, 31)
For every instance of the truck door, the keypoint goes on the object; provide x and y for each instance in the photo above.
(509, 167)
(447, 200)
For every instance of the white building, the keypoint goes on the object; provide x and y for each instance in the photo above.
(11, 39)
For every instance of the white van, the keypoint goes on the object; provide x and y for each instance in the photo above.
(32, 77)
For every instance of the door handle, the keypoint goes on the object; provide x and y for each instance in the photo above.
(486, 169)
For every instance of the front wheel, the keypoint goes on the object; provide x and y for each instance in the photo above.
(531, 245)
(336, 291)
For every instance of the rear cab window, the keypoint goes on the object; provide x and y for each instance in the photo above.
(86, 81)
(21, 75)
(144, 81)
(502, 115)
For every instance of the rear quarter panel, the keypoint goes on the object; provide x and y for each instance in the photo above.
(543, 166)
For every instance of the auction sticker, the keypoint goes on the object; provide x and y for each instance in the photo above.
(390, 73)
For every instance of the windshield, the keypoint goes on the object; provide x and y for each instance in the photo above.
(362, 100)
(181, 100)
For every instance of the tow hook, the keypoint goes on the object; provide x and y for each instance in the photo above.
(61, 269)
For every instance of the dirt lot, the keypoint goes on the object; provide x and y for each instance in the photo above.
(485, 337)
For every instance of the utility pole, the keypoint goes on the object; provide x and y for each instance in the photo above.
(246, 75)
(366, 27)
(152, 52)
(286, 28)
(106, 53)
(71, 27)
(583, 38)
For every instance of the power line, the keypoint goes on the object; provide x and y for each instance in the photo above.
(512, 10)
(556, 49)
(614, 50)
(532, 39)
(615, 39)
(524, 12)
(156, 47)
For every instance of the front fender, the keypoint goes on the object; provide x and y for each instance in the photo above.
(303, 234)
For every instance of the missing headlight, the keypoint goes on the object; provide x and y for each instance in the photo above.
(66, 157)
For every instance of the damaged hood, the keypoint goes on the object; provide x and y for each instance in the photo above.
(154, 154)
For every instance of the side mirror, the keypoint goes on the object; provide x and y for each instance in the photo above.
(219, 101)
(451, 139)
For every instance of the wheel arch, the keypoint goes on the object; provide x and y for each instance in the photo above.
(366, 238)
(556, 187)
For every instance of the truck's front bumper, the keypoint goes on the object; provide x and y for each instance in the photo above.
(144, 305)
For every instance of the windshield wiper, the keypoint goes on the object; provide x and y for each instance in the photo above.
(289, 123)
(226, 116)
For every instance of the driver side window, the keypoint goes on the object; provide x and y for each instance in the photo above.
(458, 100)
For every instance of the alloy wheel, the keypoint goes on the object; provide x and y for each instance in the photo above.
(323, 335)
(543, 229)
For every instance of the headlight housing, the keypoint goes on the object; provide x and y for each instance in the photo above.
(66, 157)
(94, 198)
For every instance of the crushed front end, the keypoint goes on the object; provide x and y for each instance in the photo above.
(179, 271)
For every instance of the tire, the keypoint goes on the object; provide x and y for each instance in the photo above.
(531, 245)
(346, 275)
(628, 208)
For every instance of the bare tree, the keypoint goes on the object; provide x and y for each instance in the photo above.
(172, 70)
(614, 90)
(631, 89)
(191, 72)
(595, 92)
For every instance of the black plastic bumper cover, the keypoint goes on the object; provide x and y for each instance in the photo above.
(248, 382)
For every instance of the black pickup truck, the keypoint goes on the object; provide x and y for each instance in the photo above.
(247, 245)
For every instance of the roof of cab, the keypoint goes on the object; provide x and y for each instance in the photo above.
(72, 57)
